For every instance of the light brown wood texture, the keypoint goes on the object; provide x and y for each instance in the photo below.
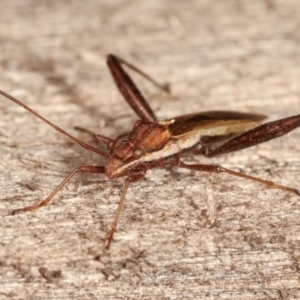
(182, 235)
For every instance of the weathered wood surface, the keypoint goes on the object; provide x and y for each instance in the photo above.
(183, 235)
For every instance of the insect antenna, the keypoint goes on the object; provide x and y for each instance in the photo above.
(82, 144)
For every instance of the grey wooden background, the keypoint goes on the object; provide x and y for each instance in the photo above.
(182, 235)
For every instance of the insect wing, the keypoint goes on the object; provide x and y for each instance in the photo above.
(213, 123)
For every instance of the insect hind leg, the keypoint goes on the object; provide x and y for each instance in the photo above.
(219, 169)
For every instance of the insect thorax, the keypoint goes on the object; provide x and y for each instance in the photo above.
(130, 151)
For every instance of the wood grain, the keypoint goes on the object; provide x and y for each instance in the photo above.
(182, 235)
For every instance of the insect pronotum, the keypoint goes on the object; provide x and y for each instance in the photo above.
(153, 143)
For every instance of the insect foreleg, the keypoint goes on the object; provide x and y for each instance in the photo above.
(129, 179)
(100, 138)
(219, 169)
(84, 169)
(118, 212)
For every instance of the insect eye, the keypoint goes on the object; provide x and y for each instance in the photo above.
(137, 153)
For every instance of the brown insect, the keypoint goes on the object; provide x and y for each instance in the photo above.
(153, 143)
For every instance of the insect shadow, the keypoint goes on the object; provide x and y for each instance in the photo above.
(152, 143)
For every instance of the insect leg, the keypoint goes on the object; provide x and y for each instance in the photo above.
(84, 169)
(100, 138)
(129, 90)
(129, 179)
(164, 87)
(219, 169)
(258, 135)
(118, 212)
